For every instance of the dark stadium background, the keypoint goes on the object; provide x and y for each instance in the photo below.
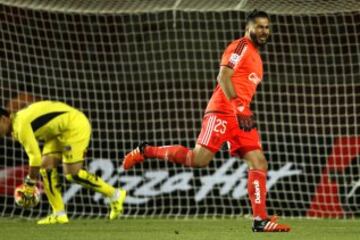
(78, 59)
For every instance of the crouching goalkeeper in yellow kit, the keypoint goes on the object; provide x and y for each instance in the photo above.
(65, 132)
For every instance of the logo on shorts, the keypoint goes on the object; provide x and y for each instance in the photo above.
(67, 148)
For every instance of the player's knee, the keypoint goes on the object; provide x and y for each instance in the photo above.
(259, 163)
(200, 163)
(262, 165)
(256, 160)
(201, 157)
(50, 161)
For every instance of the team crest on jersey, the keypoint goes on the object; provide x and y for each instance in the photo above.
(254, 78)
(234, 58)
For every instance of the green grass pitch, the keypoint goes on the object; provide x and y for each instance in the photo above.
(169, 229)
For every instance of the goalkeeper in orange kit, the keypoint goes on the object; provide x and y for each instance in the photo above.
(228, 118)
(65, 132)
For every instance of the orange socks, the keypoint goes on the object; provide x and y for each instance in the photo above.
(176, 154)
(257, 193)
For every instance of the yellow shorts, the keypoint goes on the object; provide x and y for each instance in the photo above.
(72, 144)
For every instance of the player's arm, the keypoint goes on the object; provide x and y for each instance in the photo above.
(27, 138)
(246, 123)
(224, 80)
(232, 59)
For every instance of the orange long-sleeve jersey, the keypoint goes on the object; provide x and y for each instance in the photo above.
(243, 57)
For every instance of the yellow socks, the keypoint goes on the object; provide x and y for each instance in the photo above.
(52, 189)
(92, 181)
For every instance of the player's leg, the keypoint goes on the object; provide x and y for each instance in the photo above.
(51, 182)
(198, 157)
(257, 175)
(211, 137)
(75, 143)
(74, 172)
(247, 146)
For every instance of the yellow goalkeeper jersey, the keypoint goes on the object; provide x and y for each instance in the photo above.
(40, 121)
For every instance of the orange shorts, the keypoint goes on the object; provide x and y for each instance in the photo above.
(217, 129)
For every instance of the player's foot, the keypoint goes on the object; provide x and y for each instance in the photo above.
(54, 219)
(269, 225)
(117, 205)
(135, 156)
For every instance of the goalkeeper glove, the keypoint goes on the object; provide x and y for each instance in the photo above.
(246, 123)
(244, 116)
(28, 192)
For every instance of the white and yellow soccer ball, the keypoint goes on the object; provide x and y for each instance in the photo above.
(28, 202)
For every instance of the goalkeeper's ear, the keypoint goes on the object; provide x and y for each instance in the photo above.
(5, 122)
(4, 112)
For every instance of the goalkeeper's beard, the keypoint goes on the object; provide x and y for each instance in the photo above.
(256, 40)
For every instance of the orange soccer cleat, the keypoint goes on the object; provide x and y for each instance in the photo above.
(269, 225)
(134, 157)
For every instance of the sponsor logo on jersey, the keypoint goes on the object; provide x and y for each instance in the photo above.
(234, 58)
(254, 78)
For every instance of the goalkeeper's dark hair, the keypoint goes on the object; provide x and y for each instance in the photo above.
(4, 112)
(256, 14)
